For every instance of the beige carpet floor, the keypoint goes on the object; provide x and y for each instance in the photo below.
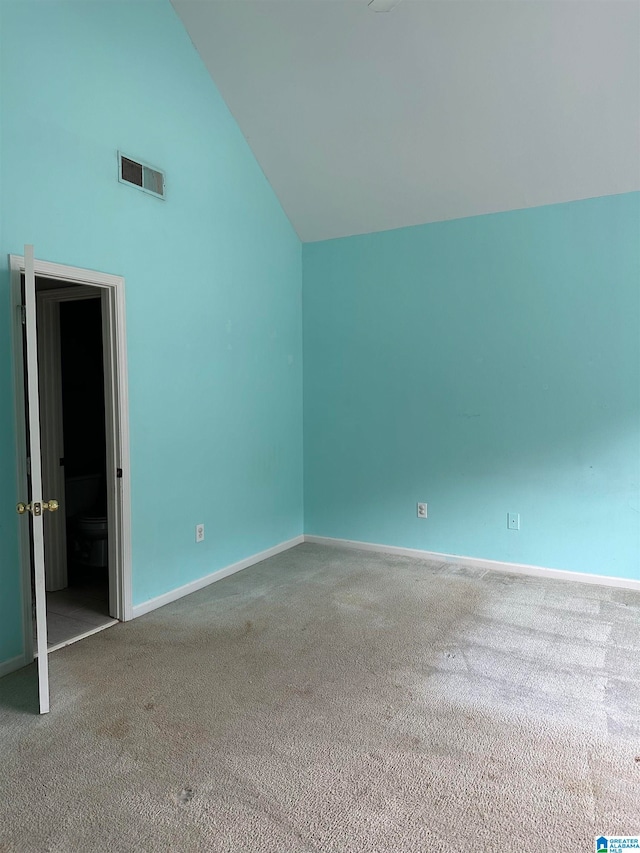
(333, 700)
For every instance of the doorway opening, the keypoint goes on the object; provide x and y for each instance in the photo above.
(84, 451)
(74, 459)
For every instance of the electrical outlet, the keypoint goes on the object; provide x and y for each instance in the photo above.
(513, 520)
(422, 510)
(199, 532)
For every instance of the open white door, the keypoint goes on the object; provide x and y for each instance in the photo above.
(35, 507)
(31, 474)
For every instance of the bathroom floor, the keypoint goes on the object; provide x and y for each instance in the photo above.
(77, 609)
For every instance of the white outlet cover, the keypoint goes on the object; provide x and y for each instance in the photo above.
(422, 510)
(199, 532)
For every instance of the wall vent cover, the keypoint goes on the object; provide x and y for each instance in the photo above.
(141, 175)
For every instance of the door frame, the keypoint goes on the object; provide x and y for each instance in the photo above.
(117, 429)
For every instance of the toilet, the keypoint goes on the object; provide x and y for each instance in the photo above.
(90, 540)
(87, 534)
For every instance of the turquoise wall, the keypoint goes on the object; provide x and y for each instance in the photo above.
(483, 365)
(213, 280)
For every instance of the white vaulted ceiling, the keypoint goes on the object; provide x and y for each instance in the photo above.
(366, 121)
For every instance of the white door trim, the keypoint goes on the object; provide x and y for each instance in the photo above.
(117, 416)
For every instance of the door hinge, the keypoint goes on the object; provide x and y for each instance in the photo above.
(23, 314)
(119, 473)
(28, 466)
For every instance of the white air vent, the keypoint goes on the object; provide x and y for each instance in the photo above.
(141, 175)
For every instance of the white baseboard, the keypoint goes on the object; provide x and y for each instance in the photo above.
(490, 565)
(12, 664)
(200, 583)
(476, 562)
